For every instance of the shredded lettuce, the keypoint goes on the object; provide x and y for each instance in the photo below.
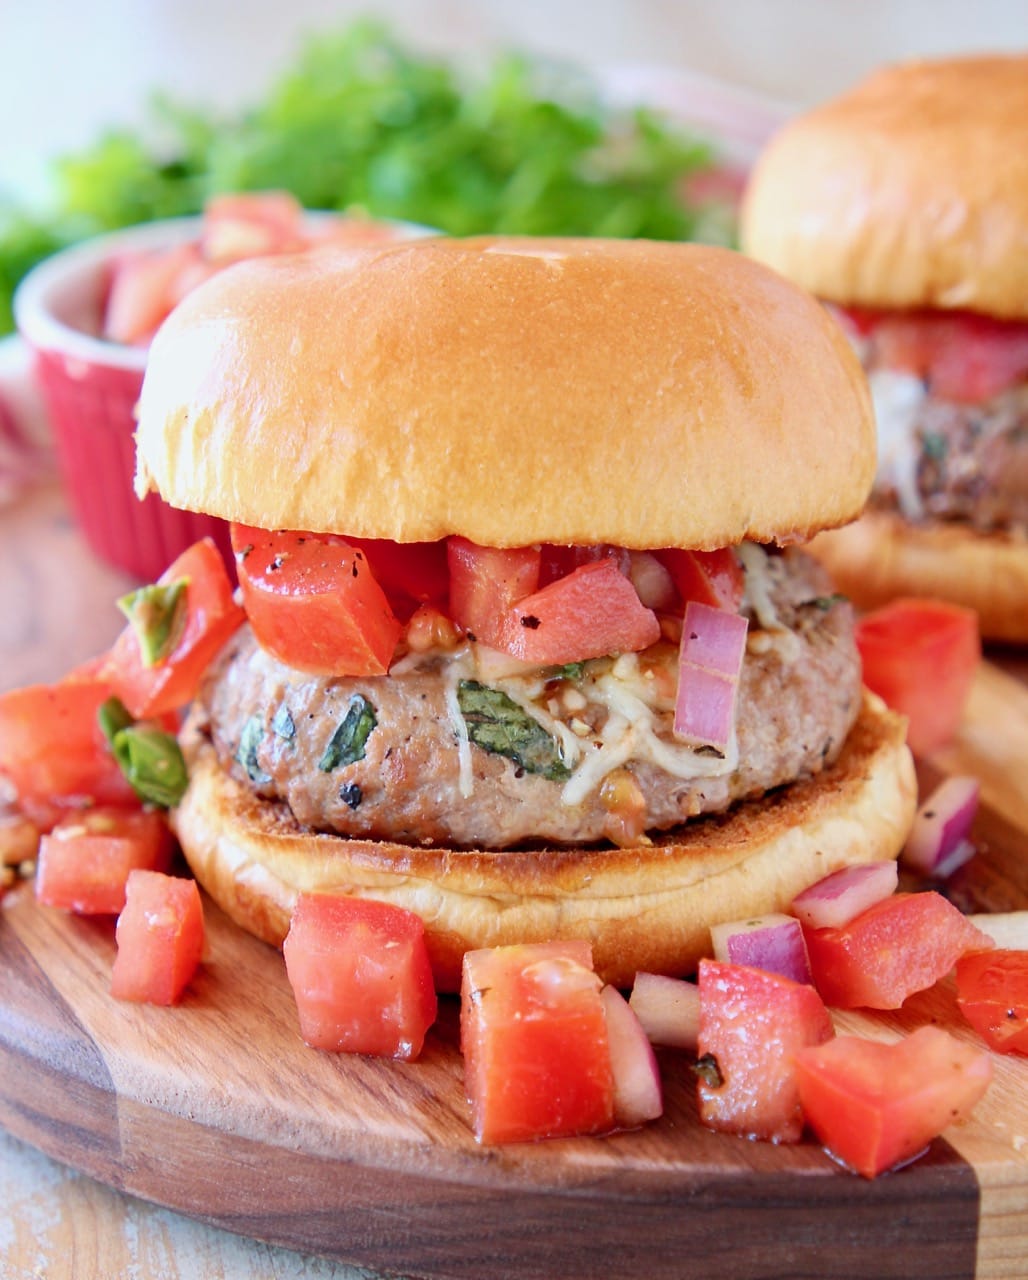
(361, 122)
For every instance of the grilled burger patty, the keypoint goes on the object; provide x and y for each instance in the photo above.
(445, 751)
(942, 460)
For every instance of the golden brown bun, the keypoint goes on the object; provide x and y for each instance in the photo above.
(513, 391)
(909, 191)
(881, 557)
(642, 909)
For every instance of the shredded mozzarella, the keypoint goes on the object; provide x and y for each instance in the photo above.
(897, 398)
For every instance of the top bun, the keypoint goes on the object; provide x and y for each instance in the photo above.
(510, 390)
(909, 191)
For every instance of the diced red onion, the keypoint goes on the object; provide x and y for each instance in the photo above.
(842, 896)
(772, 942)
(938, 842)
(638, 1095)
(668, 1009)
(1008, 929)
(710, 659)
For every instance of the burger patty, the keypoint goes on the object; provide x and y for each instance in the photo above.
(382, 757)
(966, 462)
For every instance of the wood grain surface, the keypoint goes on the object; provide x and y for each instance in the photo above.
(217, 1110)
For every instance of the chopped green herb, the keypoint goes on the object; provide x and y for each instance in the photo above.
(282, 723)
(150, 759)
(156, 614)
(708, 1070)
(569, 671)
(824, 603)
(497, 724)
(346, 746)
(249, 744)
(934, 446)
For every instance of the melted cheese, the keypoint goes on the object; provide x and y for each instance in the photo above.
(897, 399)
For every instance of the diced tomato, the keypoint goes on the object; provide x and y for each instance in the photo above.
(963, 356)
(410, 573)
(558, 562)
(876, 1105)
(592, 612)
(486, 583)
(313, 602)
(143, 289)
(920, 656)
(752, 1025)
(992, 994)
(251, 224)
(360, 975)
(535, 1043)
(900, 945)
(53, 750)
(160, 936)
(85, 861)
(209, 615)
(714, 578)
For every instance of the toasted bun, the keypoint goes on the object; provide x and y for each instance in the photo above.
(909, 191)
(642, 909)
(512, 391)
(881, 557)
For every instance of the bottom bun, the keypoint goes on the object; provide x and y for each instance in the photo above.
(643, 909)
(881, 556)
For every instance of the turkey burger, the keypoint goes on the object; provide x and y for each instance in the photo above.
(532, 647)
(904, 205)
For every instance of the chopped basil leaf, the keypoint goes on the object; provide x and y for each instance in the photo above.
(156, 614)
(152, 761)
(497, 724)
(249, 742)
(709, 1071)
(824, 603)
(346, 746)
(149, 758)
(935, 445)
(569, 671)
(283, 724)
(113, 716)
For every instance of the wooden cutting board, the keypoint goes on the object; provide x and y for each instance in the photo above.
(218, 1110)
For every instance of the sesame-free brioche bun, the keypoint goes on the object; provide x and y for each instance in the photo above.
(911, 190)
(512, 391)
(648, 908)
(881, 557)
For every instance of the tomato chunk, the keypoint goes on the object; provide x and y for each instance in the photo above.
(592, 612)
(992, 994)
(535, 1043)
(485, 584)
(360, 975)
(920, 656)
(201, 621)
(752, 1024)
(410, 573)
(160, 936)
(900, 945)
(250, 224)
(313, 602)
(713, 578)
(53, 750)
(85, 861)
(963, 355)
(877, 1105)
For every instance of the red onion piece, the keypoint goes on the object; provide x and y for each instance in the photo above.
(668, 1009)
(709, 662)
(938, 842)
(638, 1095)
(772, 942)
(842, 896)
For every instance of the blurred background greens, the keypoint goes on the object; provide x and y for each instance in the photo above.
(361, 121)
